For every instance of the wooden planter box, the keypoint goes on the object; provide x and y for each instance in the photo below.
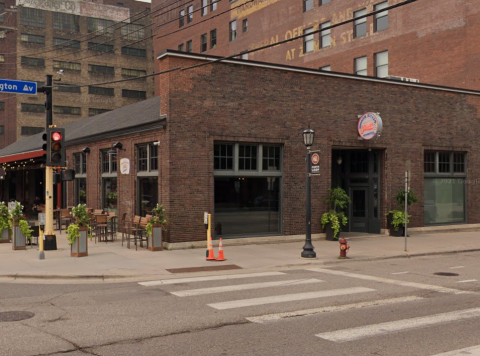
(19, 240)
(5, 236)
(80, 247)
(155, 239)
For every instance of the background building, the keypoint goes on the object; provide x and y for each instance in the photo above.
(436, 42)
(90, 42)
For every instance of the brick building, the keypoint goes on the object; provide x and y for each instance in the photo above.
(211, 143)
(90, 41)
(436, 44)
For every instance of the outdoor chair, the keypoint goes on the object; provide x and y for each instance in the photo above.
(101, 227)
(65, 218)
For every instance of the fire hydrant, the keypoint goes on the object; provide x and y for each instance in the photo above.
(343, 247)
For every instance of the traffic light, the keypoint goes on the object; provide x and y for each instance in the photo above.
(56, 147)
(45, 145)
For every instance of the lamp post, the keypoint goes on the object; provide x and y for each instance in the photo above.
(308, 136)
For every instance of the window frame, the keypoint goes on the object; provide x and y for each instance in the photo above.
(190, 14)
(308, 40)
(245, 25)
(358, 24)
(232, 34)
(151, 159)
(213, 38)
(181, 18)
(379, 67)
(203, 43)
(307, 5)
(324, 34)
(380, 16)
(356, 69)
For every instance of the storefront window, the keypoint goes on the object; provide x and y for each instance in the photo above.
(247, 184)
(109, 196)
(445, 179)
(80, 191)
(80, 188)
(147, 177)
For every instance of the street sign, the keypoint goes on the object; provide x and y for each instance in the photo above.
(17, 86)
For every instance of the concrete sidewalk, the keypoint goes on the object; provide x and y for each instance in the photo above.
(113, 263)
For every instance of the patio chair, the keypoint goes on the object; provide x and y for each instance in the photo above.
(65, 218)
(101, 227)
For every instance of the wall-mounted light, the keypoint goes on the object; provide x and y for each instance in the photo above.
(339, 160)
(113, 150)
(86, 150)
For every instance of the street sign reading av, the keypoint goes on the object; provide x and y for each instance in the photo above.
(17, 86)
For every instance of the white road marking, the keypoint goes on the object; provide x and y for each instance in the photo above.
(389, 281)
(192, 292)
(276, 317)
(467, 281)
(400, 272)
(288, 298)
(209, 278)
(399, 325)
(473, 351)
(457, 267)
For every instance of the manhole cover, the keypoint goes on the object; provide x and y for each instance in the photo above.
(448, 274)
(15, 316)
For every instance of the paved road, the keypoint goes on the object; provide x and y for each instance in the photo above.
(421, 306)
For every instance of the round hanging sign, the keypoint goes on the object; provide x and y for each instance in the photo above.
(315, 158)
(369, 126)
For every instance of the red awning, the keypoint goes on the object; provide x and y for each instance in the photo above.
(22, 156)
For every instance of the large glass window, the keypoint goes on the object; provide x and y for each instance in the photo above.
(247, 181)
(29, 38)
(360, 25)
(32, 17)
(101, 26)
(66, 22)
(67, 65)
(213, 39)
(133, 32)
(445, 174)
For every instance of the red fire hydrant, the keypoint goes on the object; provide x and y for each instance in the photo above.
(343, 247)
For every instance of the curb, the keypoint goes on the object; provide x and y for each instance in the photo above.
(132, 278)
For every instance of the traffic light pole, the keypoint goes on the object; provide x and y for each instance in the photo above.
(48, 229)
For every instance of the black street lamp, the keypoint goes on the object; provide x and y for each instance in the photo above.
(308, 136)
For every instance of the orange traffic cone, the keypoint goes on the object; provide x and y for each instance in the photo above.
(211, 254)
(220, 252)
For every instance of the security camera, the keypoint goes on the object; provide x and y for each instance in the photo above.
(157, 143)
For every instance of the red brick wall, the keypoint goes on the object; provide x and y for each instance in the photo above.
(237, 103)
(435, 44)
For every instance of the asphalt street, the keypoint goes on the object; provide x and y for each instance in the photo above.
(418, 306)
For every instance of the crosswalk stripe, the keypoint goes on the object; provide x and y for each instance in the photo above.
(388, 281)
(472, 351)
(193, 292)
(399, 325)
(467, 281)
(287, 298)
(209, 278)
(374, 303)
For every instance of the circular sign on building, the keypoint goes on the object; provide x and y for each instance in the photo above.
(369, 126)
(315, 158)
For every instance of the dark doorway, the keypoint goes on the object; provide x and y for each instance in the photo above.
(357, 172)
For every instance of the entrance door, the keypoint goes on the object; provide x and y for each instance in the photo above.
(359, 209)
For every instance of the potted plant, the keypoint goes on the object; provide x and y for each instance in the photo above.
(77, 232)
(21, 229)
(155, 225)
(333, 220)
(5, 223)
(396, 217)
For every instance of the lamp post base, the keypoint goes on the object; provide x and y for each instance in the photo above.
(308, 253)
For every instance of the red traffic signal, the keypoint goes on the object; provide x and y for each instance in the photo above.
(56, 147)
